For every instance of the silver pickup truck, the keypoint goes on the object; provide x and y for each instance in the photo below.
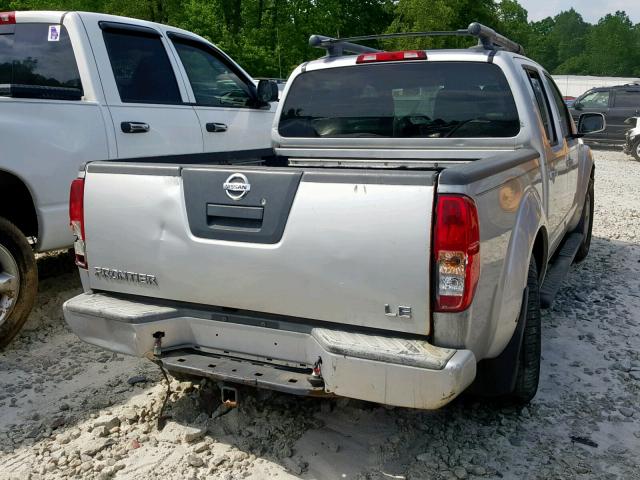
(420, 208)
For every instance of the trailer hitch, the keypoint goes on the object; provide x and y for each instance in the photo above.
(229, 396)
(154, 357)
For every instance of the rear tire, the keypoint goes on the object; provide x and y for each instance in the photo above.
(585, 226)
(529, 360)
(18, 281)
(635, 149)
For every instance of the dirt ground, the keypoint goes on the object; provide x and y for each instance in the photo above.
(70, 410)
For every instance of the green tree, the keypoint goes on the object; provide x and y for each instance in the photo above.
(512, 21)
(612, 47)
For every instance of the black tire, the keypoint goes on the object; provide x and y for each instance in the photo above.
(15, 255)
(635, 149)
(529, 361)
(585, 226)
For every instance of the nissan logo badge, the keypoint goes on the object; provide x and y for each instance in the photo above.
(236, 186)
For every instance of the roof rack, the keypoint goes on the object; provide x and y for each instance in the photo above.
(488, 39)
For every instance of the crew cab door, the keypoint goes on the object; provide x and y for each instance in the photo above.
(147, 101)
(224, 98)
(565, 131)
(558, 156)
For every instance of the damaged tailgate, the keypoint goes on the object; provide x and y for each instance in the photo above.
(342, 246)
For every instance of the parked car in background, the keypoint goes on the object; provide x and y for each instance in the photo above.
(569, 100)
(423, 207)
(632, 143)
(616, 104)
(79, 86)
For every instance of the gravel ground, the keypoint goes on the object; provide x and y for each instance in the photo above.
(70, 410)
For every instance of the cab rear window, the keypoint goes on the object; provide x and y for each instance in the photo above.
(401, 100)
(37, 61)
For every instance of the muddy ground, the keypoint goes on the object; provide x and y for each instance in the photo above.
(70, 410)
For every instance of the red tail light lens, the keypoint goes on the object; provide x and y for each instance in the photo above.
(7, 18)
(456, 252)
(76, 218)
(391, 56)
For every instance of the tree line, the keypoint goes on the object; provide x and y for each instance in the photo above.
(269, 37)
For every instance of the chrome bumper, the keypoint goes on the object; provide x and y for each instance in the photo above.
(376, 368)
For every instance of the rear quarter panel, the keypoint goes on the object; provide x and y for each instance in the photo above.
(510, 211)
(45, 143)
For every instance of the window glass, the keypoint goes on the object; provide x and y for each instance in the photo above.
(543, 104)
(141, 68)
(6, 58)
(213, 83)
(32, 56)
(565, 118)
(401, 100)
(595, 100)
(627, 98)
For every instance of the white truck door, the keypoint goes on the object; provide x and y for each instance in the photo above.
(148, 102)
(224, 98)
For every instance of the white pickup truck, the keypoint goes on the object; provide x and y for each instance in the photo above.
(78, 86)
(423, 206)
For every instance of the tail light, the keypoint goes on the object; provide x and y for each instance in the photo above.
(456, 252)
(7, 18)
(392, 56)
(76, 217)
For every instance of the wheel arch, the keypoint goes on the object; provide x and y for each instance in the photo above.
(17, 204)
(540, 252)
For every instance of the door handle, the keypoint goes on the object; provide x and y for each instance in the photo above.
(134, 127)
(553, 174)
(214, 127)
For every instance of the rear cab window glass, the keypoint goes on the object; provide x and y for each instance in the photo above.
(36, 62)
(627, 99)
(141, 68)
(401, 100)
(542, 102)
(214, 84)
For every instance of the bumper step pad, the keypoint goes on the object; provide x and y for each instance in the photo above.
(246, 372)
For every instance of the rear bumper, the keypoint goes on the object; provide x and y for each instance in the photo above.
(383, 369)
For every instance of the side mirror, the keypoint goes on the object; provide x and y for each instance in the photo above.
(591, 123)
(577, 105)
(268, 91)
(630, 121)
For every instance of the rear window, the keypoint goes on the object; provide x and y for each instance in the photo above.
(627, 99)
(401, 100)
(37, 60)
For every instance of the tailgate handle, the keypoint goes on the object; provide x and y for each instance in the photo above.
(232, 217)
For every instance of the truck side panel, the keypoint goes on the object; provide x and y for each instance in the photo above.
(507, 191)
(66, 131)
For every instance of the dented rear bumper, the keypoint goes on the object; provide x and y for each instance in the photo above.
(271, 352)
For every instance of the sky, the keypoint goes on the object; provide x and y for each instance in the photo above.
(591, 10)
